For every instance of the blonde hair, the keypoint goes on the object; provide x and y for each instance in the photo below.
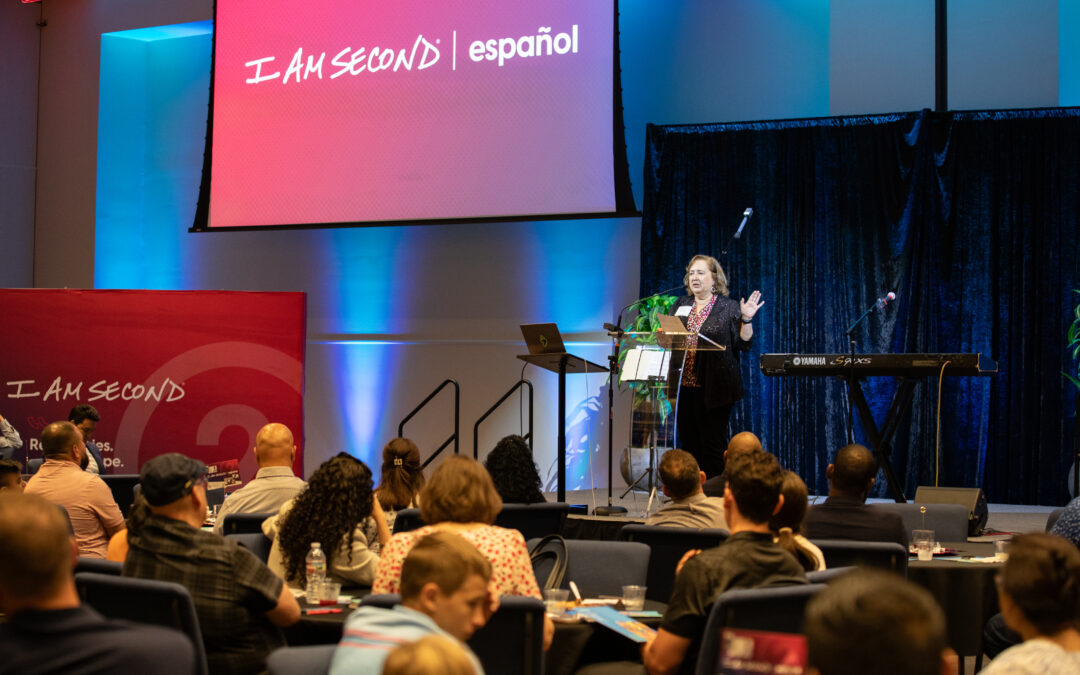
(719, 286)
(430, 655)
(459, 491)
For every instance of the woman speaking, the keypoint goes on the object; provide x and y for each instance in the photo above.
(707, 382)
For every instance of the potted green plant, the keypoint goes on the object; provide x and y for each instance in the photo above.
(651, 407)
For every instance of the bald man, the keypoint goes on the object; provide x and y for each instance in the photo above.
(741, 443)
(845, 514)
(274, 483)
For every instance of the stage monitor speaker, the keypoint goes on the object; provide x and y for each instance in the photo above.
(972, 498)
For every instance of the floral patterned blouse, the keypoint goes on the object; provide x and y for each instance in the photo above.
(511, 570)
(693, 324)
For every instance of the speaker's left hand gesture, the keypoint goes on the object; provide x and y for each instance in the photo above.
(750, 307)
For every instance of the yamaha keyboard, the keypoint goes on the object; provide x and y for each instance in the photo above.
(871, 365)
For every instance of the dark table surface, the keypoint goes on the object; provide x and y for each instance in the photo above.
(573, 645)
(965, 591)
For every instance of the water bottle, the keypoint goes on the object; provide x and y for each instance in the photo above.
(316, 573)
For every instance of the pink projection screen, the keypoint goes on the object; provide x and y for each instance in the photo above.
(353, 111)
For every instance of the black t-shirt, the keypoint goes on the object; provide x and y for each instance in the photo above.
(79, 641)
(842, 517)
(745, 560)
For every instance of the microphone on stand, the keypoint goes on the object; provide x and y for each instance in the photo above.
(745, 217)
(738, 233)
(886, 299)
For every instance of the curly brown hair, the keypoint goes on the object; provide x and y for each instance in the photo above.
(337, 497)
(402, 474)
(513, 471)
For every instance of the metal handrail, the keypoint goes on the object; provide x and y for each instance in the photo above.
(492, 409)
(457, 419)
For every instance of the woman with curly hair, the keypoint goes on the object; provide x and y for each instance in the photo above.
(514, 472)
(338, 510)
(402, 478)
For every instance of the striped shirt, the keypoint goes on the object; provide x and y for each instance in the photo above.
(372, 632)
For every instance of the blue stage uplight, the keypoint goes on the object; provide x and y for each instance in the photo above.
(151, 124)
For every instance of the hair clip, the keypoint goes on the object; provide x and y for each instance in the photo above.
(397, 461)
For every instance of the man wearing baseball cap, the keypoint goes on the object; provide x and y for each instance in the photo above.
(239, 601)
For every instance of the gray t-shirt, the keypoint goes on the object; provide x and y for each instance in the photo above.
(697, 510)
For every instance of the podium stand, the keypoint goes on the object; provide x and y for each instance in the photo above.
(562, 363)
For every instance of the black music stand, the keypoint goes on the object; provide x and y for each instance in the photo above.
(562, 363)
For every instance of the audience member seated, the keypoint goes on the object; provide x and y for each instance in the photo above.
(444, 591)
(1039, 595)
(118, 544)
(682, 479)
(872, 621)
(460, 498)
(402, 478)
(85, 417)
(845, 514)
(47, 630)
(514, 473)
(10, 441)
(239, 601)
(338, 509)
(787, 524)
(274, 482)
(11, 476)
(431, 655)
(997, 636)
(1068, 525)
(87, 499)
(744, 441)
(749, 558)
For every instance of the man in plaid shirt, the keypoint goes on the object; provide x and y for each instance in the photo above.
(239, 601)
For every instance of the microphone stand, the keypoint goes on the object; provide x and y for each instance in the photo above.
(616, 334)
(879, 303)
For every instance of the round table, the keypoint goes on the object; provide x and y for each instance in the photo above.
(965, 591)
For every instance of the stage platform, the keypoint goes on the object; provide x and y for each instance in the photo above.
(1004, 518)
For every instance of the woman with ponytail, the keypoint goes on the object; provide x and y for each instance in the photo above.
(402, 478)
(787, 524)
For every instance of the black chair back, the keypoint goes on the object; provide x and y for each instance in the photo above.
(828, 575)
(161, 603)
(533, 520)
(603, 567)
(310, 660)
(879, 554)
(948, 521)
(98, 566)
(778, 610)
(668, 545)
(244, 523)
(408, 520)
(33, 465)
(259, 544)
(512, 641)
(122, 486)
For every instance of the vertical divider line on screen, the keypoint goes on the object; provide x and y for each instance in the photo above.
(453, 53)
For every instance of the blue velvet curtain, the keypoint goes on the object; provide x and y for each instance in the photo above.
(970, 217)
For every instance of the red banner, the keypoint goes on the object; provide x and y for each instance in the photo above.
(197, 372)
